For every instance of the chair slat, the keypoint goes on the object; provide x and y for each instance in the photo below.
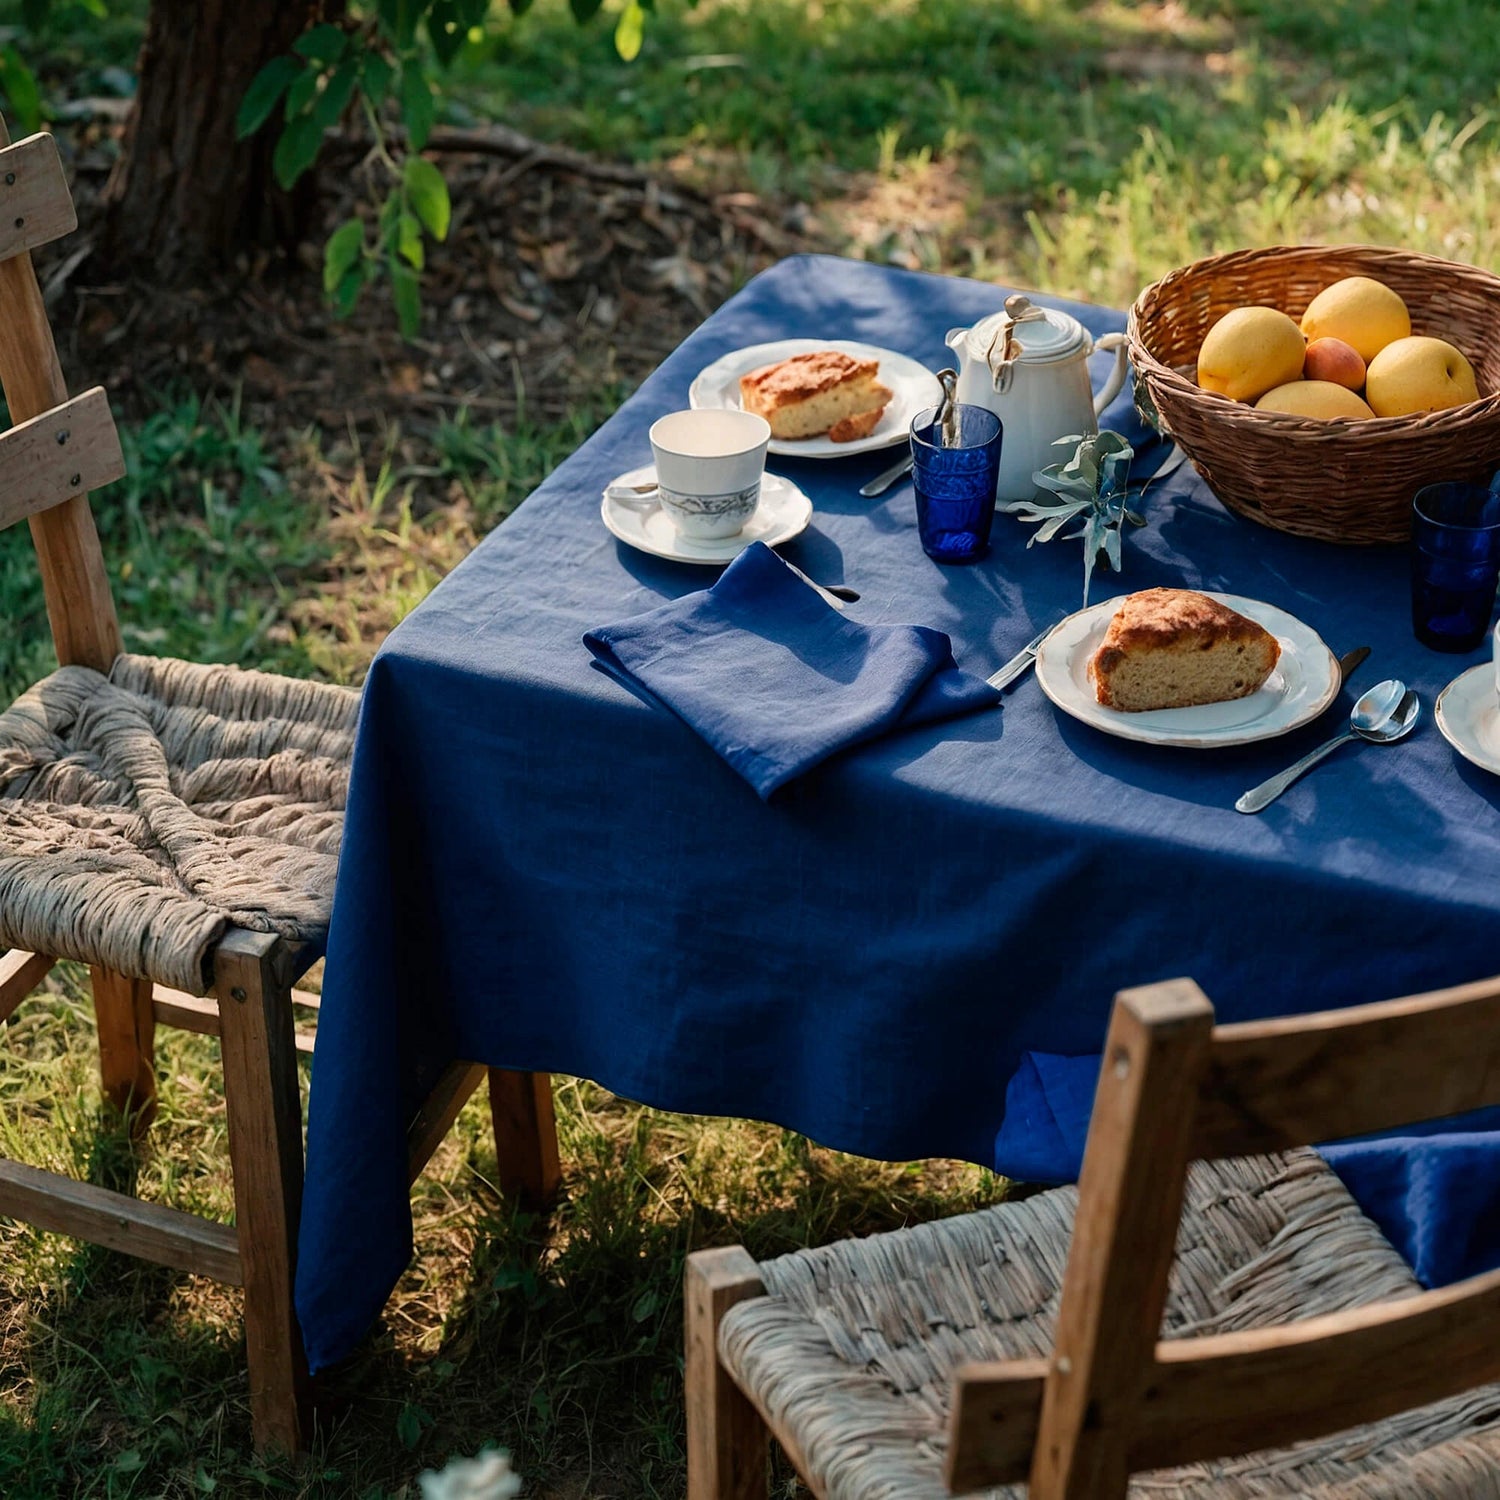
(68, 451)
(1297, 1080)
(1268, 1387)
(993, 1422)
(80, 608)
(86, 1212)
(35, 204)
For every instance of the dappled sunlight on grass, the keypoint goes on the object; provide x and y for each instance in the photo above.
(1083, 146)
(1088, 148)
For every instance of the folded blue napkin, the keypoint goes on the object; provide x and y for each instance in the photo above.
(776, 680)
(1431, 1188)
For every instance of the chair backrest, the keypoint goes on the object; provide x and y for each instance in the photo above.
(57, 450)
(1114, 1398)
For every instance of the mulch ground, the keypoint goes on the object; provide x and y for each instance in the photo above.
(561, 275)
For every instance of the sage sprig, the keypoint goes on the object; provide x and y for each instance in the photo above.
(1092, 488)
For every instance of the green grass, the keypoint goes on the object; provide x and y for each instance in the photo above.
(1084, 147)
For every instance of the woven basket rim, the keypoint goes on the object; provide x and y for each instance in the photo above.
(1378, 428)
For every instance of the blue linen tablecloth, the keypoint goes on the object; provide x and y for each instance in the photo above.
(542, 871)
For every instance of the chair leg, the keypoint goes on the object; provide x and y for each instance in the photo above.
(265, 1145)
(525, 1136)
(127, 1045)
(727, 1448)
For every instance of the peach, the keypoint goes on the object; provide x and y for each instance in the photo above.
(1335, 361)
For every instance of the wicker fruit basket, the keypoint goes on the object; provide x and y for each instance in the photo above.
(1346, 482)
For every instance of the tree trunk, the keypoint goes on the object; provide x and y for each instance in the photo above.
(185, 195)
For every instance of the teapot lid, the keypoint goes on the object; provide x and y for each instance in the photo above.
(1045, 334)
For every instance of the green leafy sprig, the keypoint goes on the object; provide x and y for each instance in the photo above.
(1092, 488)
(378, 61)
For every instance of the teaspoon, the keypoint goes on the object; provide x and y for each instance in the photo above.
(1388, 712)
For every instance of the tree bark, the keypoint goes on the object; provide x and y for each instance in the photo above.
(185, 195)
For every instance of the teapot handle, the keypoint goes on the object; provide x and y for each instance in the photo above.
(1116, 382)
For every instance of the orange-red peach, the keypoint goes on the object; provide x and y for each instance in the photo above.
(1335, 361)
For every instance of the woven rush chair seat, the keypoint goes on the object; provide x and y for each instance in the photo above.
(851, 1353)
(144, 814)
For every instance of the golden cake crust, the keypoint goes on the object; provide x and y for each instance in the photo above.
(1174, 648)
(824, 391)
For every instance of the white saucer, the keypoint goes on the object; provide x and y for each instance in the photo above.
(782, 513)
(1468, 713)
(1305, 682)
(913, 386)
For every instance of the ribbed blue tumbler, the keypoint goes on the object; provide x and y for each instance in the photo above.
(956, 486)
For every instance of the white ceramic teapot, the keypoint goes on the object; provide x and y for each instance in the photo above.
(1029, 365)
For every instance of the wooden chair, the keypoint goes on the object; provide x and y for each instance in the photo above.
(952, 1356)
(175, 827)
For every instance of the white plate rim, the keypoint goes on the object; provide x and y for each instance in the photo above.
(707, 554)
(1445, 711)
(1054, 675)
(893, 425)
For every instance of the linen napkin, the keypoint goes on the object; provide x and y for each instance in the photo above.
(776, 680)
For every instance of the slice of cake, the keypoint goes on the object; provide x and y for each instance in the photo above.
(1172, 648)
(824, 391)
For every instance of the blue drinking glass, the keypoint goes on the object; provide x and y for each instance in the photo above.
(956, 486)
(1455, 564)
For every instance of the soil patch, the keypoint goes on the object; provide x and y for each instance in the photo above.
(560, 277)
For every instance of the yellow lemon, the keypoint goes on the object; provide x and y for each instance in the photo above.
(1366, 314)
(1419, 374)
(1314, 398)
(1248, 351)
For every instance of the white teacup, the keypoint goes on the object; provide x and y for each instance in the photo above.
(1497, 658)
(708, 469)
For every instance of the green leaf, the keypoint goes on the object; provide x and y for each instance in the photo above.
(409, 241)
(409, 1424)
(446, 30)
(297, 149)
(406, 291)
(418, 108)
(261, 97)
(336, 95)
(584, 10)
(375, 76)
(343, 249)
(346, 293)
(21, 90)
(323, 44)
(399, 17)
(302, 92)
(630, 31)
(35, 14)
(428, 192)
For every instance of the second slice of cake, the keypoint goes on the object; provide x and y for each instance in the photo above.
(1173, 648)
(823, 391)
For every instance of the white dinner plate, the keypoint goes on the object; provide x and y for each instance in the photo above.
(913, 386)
(1468, 713)
(782, 513)
(1305, 682)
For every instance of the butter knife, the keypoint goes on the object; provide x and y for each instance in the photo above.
(1349, 661)
(882, 482)
(1018, 664)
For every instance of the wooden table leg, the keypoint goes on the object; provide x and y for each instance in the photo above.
(525, 1136)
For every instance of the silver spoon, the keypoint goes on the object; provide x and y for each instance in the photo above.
(947, 415)
(1388, 712)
